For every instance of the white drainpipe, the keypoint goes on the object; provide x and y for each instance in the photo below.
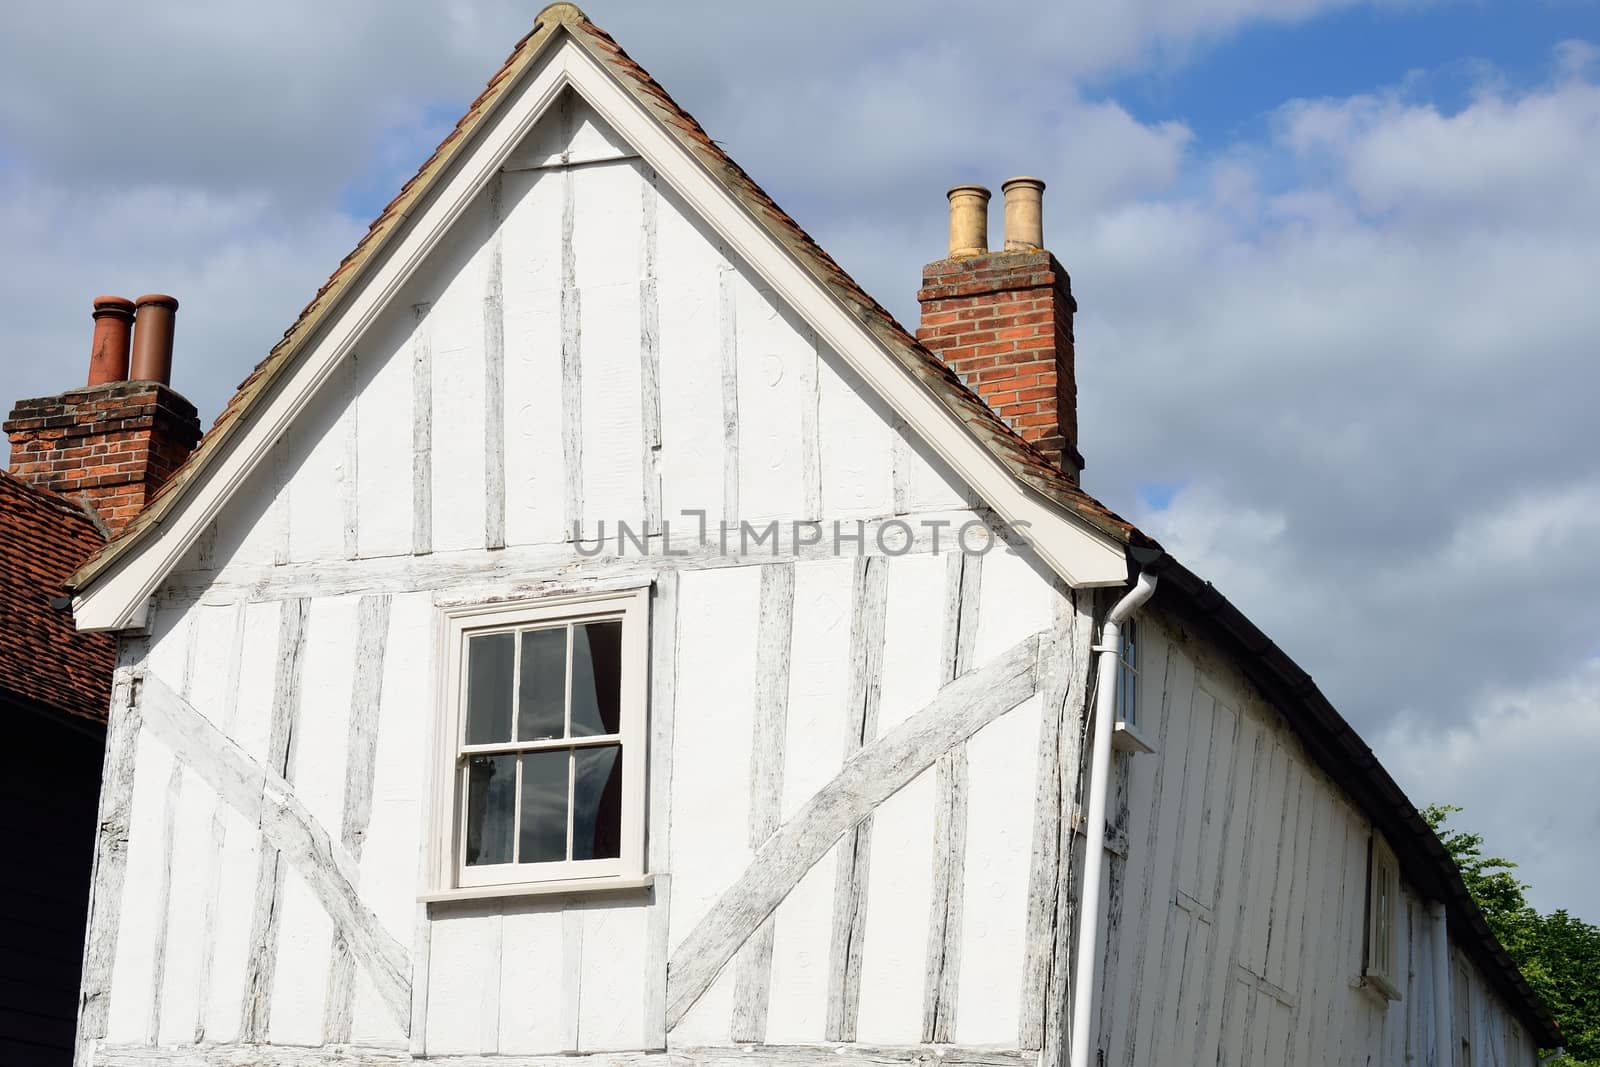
(1442, 1008)
(1094, 847)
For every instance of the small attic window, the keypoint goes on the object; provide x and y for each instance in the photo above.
(1128, 737)
(542, 773)
(1383, 907)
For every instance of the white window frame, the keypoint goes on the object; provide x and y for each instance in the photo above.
(451, 876)
(1383, 917)
(1126, 734)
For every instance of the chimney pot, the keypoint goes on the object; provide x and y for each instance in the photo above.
(152, 338)
(113, 328)
(1024, 214)
(969, 220)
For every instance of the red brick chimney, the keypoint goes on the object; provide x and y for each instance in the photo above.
(113, 443)
(1002, 320)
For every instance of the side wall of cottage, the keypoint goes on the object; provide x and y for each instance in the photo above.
(585, 352)
(1237, 887)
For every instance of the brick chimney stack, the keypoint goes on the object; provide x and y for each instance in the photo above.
(1002, 320)
(114, 442)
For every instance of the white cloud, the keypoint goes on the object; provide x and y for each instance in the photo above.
(1537, 746)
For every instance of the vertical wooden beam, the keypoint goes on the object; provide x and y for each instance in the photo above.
(171, 801)
(219, 830)
(810, 434)
(1053, 1039)
(1061, 661)
(361, 757)
(774, 640)
(282, 504)
(422, 435)
(901, 464)
(110, 864)
(256, 1014)
(658, 825)
(494, 377)
(571, 359)
(650, 348)
(350, 474)
(963, 580)
(571, 974)
(728, 322)
(869, 612)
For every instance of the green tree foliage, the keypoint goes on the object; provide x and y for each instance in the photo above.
(1558, 954)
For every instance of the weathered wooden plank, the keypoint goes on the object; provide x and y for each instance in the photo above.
(525, 570)
(728, 323)
(110, 862)
(902, 467)
(257, 1012)
(1056, 668)
(1052, 1051)
(663, 703)
(875, 773)
(688, 1056)
(169, 829)
(171, 799)
(494, 376)
(208, 919)
(282, 500)
(774, 641)
(963, 588)
(868, 619)
(571, 974)
(350, 468)
(810, 432)
(650, 347)
(361, 756)
(1233, 888)
(288, 831)
(1152, 927)
(422, 434)
(571, 362)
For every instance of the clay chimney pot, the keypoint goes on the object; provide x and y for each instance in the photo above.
(969, 220)
(1024, 214)
(113, 329)
(152, 338)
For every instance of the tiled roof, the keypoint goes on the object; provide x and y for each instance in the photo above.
(43, 659)
(1026, 463)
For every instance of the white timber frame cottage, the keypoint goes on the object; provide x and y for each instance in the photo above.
(598, 629)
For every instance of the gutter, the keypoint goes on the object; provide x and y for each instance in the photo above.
(1109, 653)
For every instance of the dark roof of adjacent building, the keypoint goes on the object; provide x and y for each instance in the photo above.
(44, 661)
(1328, 737)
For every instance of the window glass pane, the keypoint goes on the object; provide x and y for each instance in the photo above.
(597, 678)
(491, 798)
(544, 807)
(542, 691)
(490, 660)
(597, 804)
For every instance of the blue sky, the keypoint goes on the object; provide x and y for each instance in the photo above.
(1335, 261)
(1226, 91)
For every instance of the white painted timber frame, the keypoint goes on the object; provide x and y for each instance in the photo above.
(113, 600)
(452, 879)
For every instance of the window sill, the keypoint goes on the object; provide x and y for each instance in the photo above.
(1377, 988)
(570, 887)
(1127, 738)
